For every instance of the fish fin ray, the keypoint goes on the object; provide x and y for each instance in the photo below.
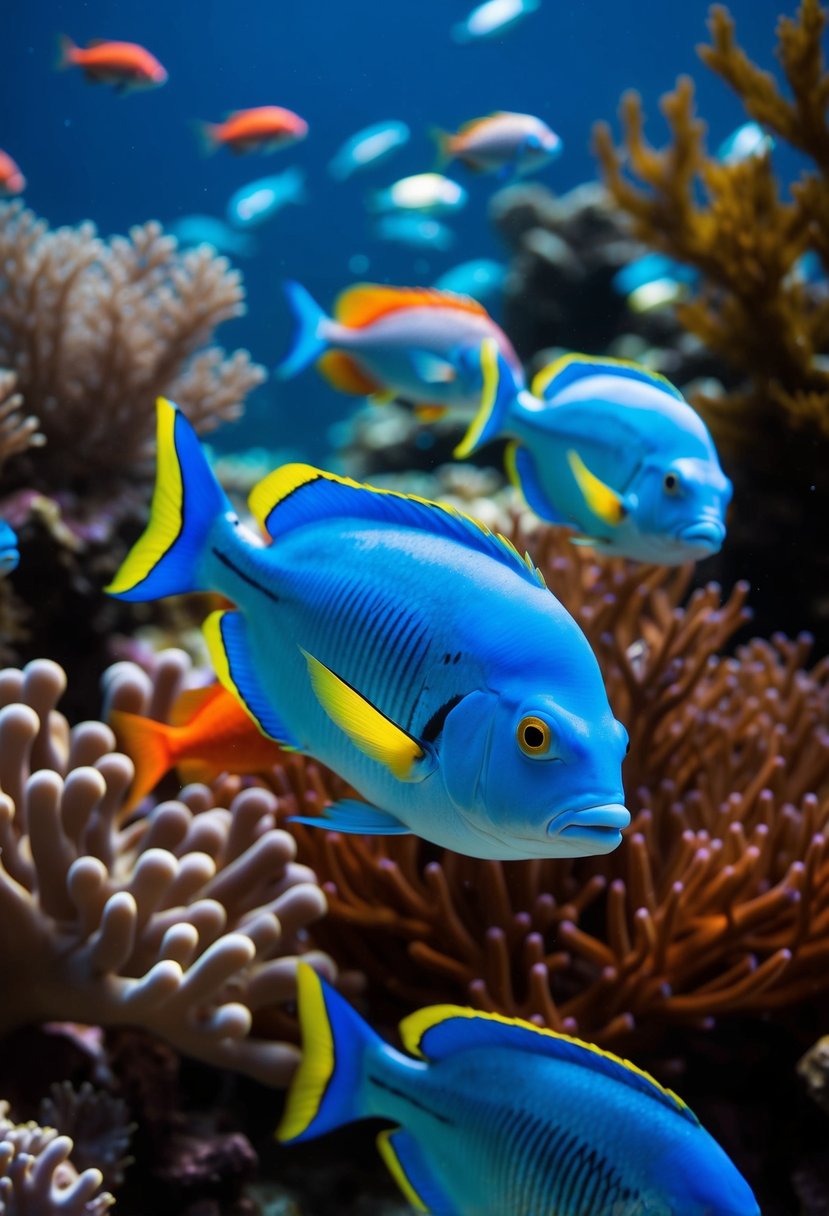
(190, 703)
(365, 303)
(439, 1031)
(327, 1088)
(345, 374)
(225, 633)
(601, 498)
(298, 494)
(407, 1164)
(186, 502)
(351, 816)
(366, 726)
(566, 370)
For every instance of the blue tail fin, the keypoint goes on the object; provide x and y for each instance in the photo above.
(309, 340)
(327, 1090)
(498, 394)
(186, 502)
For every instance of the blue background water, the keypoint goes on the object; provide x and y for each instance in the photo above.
(89, 154)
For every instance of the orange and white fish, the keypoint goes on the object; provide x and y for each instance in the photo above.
(412, 342)
(503, 143)
(209, 733)
(125, 65)
(261, 129)
(12, 180)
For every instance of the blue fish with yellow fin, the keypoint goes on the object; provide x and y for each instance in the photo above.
(497, 1117)
(611, 449)
(400, 643)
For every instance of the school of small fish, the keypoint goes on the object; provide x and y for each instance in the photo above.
(422, 658)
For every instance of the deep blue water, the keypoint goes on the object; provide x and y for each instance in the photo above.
(89, 154)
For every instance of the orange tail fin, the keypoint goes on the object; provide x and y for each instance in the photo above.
(148, 745)
(66, 52)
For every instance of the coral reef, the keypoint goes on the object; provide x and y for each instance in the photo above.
(746, 233)
(717, 902)
(92, 331)
(98, 1125)
(183, 922)
(38, 1178)
(95, 330)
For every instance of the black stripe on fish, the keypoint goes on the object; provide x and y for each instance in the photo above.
(246, 578)
(399, 1093)
(434, 726)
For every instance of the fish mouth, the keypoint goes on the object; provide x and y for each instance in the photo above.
(9, 562)
(707, 534)
(591, 830)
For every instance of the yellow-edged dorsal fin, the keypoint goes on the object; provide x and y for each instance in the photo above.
(317, 1064)
(439, 1031)
(368, 729)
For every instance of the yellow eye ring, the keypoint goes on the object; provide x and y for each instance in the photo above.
(533, 735)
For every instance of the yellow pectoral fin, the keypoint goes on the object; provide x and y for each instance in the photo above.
(367, 727)
(600, 498)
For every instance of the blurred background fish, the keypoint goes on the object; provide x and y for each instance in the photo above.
(749, 139)
(503, 143)
(258, 201)
(370, 146)
(12, 180)
(482, 278)
(125, 65)
(431, 193)
(415, 231)
(260, 129)
(493, 17)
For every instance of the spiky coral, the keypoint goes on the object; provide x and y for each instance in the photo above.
(95, 330)
(184, 922)
(716, 902)
(37, 1176)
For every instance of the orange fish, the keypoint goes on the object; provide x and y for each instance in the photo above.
(262, 129)
(209, 733)
(126, 65)
(12, 180)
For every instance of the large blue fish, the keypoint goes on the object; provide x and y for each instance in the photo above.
(400, 643)
(9, 549)
(611, 449)
(496, 1117)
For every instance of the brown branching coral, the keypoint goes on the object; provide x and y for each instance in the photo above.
(17, 431)
(184, 922)
(37, 1177)
(746, 233)
(96, 329)
(718, 899)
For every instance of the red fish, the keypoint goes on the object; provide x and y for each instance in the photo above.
(262, 129)
(126, 65)
(12, 180)
(209, 733)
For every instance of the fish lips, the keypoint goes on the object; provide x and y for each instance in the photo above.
(591, 830)
(705, 534)
(9, 560)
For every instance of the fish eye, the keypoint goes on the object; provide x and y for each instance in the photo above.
(533, 736)
(671, 483)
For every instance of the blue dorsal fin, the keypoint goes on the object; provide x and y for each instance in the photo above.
(411, 1171)
(299, 494)
(565, 371)
(226, 635)
(441, 1030)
